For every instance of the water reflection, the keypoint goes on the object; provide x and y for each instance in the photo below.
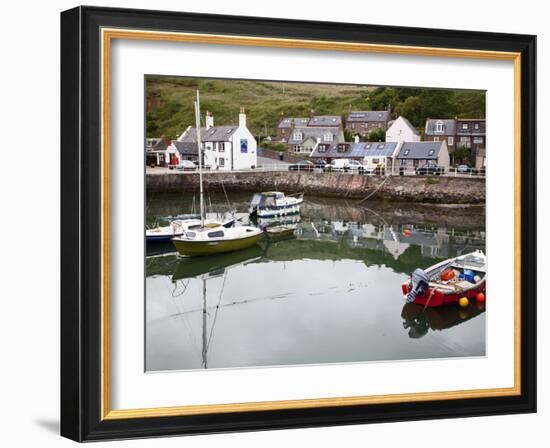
(419, 320)
(332, 294)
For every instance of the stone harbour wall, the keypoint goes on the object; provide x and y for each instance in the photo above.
(434, 189)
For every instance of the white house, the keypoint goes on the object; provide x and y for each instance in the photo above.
(401, 130)
(227, 147)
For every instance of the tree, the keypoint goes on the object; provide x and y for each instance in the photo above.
(348, 135)
(377, 135)
(462, 155)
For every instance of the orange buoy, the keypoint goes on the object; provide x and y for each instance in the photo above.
(480, 297)
(407, 232)
(447, 274)
(463, 302)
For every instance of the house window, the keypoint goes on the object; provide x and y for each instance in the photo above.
(342, 148)
(464, 125)
(297, 148)
(478, 139)
(379, 125)
(298, 136)
(450, 140)
(476, 126)
(353, 125)
(375, 161)
(283, 131)
(407, 151)
(322, 148)
(221, 162)
(328, 137)
(439, 127)
(221, 146)
(464, 139)
(436, 139)
(431, 152)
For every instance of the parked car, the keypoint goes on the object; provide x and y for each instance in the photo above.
(320, 163)
(430, 168)
(302, 165)
(186, 165)
(355, 167)
(463, 169)
(337, 165)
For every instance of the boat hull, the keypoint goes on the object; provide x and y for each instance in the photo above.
(189, 248)
(431, 298)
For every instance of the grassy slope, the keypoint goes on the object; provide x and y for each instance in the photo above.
(265, 102)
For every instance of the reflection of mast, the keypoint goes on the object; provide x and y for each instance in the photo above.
(204, 342)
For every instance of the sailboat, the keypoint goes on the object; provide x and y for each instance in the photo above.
(207, 238)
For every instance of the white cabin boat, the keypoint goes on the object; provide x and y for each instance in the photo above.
(271, 204)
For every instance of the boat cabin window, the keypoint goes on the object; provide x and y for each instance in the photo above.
(216, 234)
(190, 234)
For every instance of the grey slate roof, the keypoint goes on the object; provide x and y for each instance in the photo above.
(420, 150)
(356, 150)
(155, 144)
(186, 148)
(291, 122)
(449, 127)
(325, 120)
(315, 133)
(381, 116)
(214, 134)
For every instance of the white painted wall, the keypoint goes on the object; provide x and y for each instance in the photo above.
(399, 131)
(248, 159)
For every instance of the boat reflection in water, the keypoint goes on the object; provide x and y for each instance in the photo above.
(331, 294)
(418, 320)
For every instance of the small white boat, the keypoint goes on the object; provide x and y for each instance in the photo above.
(177, 227)
(271, 204)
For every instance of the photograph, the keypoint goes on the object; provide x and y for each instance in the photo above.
(291, 223)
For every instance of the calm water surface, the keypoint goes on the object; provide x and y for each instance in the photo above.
(330, 295)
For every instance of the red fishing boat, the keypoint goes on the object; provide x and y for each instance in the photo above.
(447, 282)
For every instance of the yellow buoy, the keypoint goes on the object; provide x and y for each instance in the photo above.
(463, 302)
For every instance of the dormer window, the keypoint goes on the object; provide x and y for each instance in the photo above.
(431, 152)
(342, 147)
(298, 136)
(407, 151)
(439, 127)
(322, 148)
(381, 146)
(327, 137)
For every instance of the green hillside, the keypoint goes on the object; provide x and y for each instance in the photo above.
(265, 102)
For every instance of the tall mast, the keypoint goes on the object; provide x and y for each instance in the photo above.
(199, 150)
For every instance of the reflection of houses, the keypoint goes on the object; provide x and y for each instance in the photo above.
(417, 154)
(226, 147)
(401, 130)
(362, 122)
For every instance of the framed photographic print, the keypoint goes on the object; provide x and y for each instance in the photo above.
(276, 224)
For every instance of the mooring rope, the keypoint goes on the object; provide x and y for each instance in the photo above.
(378, 188)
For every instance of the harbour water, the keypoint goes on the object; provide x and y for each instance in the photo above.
(332, 294)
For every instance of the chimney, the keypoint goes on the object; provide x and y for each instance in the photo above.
(242, 118)
(356, 139)
(208, 120)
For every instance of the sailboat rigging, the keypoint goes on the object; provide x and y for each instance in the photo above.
(207, 238)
